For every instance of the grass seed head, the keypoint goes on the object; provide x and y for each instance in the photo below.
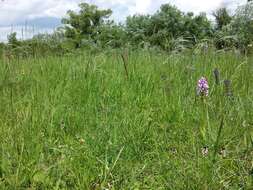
(217, 76)
(228, 87)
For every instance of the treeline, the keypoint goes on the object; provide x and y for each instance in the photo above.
(168, 29)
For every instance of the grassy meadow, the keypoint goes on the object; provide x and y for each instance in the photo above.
(89, 121)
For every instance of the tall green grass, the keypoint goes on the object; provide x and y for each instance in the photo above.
(79, 122)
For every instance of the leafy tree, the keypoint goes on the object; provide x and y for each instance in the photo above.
(239, 32)
(222, 17)
(197, 27)
(139, 28)
(111, 35)
(168, 28)
(242, 25)
(84, 24)
(12, 40)
(168, 20)
(157, 29)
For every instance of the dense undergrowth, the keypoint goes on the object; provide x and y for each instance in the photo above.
(89, 121)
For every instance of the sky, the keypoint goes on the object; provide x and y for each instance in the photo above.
(45, 14)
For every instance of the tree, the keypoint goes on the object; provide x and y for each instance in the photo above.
(139, 28)
(197, 27)
(12, 40)
(111, 35)
(84, 24)
(242, 24)
(166, 26)
(168, 18)
(222, 17)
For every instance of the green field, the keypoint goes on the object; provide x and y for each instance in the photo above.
(85, 121)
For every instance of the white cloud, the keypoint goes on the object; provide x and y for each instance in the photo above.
(142, 7)
(198, 5)
(13, 11)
